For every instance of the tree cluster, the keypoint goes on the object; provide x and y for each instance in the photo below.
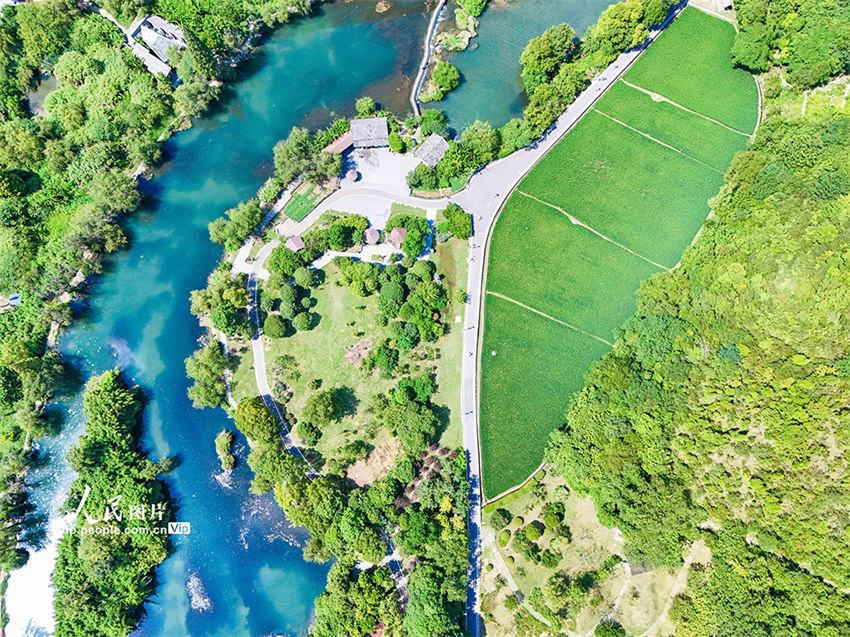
(302, 153)
(224, 302)
(811, 38)
(457, 222)
(103, 579)
(722, 399)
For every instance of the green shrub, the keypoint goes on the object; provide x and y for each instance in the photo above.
(609, 628)
(518, 521)
(302, 321)
(223, 447)
(500, 518)
(274, 326)
(532, 532)
(309, 433)
(550, 558)
(396, 143)
(509, 560)
(504, 538)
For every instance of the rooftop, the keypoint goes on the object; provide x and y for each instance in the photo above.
(340, 144)
(432, 149)
(369, 133)
(151, 62)
(294, 243)
(397, 235)
(371, 236)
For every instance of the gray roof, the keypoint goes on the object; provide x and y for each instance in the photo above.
(157, 43)
(167, 28)
(432, 149)
(153, 63)
(371, 132)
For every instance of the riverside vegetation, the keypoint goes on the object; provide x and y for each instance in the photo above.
(444, 76)
(418, 498)
(555, 68)
(67, 172)
(104, 574)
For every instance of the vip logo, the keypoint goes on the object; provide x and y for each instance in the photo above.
(179, 528)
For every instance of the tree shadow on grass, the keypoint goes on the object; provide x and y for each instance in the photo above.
(444, 419)
(347, 401)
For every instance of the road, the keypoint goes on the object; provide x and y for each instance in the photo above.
(483, 198)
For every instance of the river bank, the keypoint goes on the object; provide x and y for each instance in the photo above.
(138, 320)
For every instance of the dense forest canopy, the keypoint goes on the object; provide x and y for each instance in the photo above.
(721, 412)
(811, 38)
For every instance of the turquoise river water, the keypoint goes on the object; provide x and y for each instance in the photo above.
(240, 572)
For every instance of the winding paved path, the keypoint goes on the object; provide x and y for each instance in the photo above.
(483, 198)
(426, 57)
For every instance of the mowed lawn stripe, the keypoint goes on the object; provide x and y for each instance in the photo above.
(657, 97)
(639, 193)
(578, 222)
(525, 388)
(551, 318)
(691, 64)
(657, 141)
(563, 270)
(695, 136)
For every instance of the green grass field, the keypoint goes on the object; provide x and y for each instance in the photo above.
(691, 64)
(627, 187)
(700, 138)
(402, 209)
(562, 269)
(640, 194)
(525, 388)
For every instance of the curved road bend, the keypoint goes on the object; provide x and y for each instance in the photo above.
(483, 198)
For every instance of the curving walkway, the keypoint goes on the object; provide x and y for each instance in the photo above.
(392, 559)
(483, 197)
(426, 57)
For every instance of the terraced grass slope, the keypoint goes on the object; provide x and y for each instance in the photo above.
(615, 201)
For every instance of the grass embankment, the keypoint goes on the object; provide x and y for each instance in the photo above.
(641, 186)
(305, 198)
(402, 209)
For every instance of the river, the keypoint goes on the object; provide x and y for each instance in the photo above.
(239, 572)
(491, 89)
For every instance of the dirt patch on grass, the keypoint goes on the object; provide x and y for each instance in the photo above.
(377, 464)
(359, 352)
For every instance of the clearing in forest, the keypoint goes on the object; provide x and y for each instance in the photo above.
(616, 200)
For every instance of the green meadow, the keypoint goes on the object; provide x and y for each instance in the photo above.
(691, 64)
(638, 190)
(697, 137)
(528, 364)
(627, 187)
(563, 270)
